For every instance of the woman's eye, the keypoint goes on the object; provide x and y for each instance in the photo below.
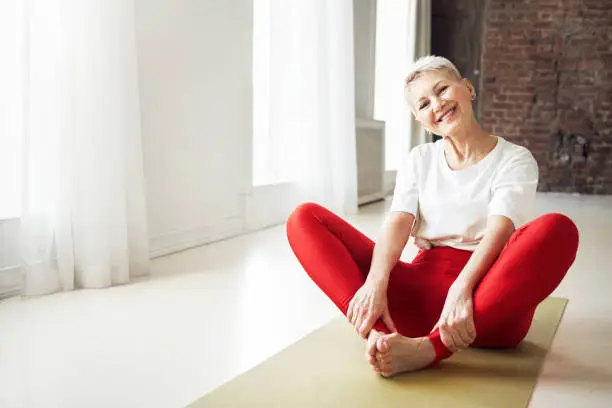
(443, 88)
(423, 105)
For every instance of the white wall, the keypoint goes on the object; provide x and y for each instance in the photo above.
(196, 101)
(10, 278)
(364, 27)
(195, 68)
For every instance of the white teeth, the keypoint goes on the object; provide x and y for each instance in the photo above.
(446, 114)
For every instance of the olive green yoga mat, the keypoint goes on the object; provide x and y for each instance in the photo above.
(327, 368)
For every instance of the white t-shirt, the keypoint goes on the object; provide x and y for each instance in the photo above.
(451, 206)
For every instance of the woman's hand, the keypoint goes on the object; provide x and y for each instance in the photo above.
(422, 244)
(456, 323)
(367, 306)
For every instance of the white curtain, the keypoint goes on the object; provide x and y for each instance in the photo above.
(420, 32)
(83, 220)
(403, 36)
(311, 99)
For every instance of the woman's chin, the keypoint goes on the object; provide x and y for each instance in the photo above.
(448, 128)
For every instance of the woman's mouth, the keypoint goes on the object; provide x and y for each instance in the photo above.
(446, 117)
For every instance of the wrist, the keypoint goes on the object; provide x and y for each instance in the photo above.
(463, 285)
(378, 280)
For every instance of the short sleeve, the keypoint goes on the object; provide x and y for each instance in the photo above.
(406, 193)
(514, 188)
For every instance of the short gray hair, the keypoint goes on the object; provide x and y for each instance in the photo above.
(430, 63)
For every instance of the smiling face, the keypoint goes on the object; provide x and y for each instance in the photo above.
(441, 101)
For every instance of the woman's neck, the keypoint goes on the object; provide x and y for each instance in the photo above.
(469, 145)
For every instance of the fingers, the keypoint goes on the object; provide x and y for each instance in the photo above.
(386, 318)
(360, 316)
(458, 325)
(357, 314)
(450, 336)
(468, 333)
(422, 243)
(457, 343)
(466, 327)
(353, 311)
(448, 333)
(419, 243)
(365, 308)
(471, 329)
(446, 337)
(371, 347)
(463, 339)
(366, 325)
(457, 333)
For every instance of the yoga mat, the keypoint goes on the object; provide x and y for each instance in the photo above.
(327, 368)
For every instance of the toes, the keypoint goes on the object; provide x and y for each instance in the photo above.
(385, 368)
(382, 344)
(374, 364)
(386, 374)
(384, 360)
(371, 348)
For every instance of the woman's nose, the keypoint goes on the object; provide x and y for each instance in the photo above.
(436, 104)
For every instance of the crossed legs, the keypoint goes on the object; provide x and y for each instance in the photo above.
(532, 264)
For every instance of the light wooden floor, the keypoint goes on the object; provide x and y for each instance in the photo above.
(210, 313)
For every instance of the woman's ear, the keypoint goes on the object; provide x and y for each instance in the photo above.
(470, 87)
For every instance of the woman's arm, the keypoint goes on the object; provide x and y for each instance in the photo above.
(513, 190)
(370, 302)
(499, 229)
(389, 246)
(456, 322)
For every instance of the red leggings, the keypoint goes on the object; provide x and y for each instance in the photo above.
(532, 264)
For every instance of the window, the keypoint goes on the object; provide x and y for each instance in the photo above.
(12, 68)
(392, 44)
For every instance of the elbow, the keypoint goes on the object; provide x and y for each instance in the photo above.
(397, 230)
(400, 221)
(498, 233)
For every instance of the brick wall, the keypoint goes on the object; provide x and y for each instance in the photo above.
(547, 85)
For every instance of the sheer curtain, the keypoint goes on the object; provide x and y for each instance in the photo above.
(310, 100)
(402, 36)
(420, 46)
(83, 220)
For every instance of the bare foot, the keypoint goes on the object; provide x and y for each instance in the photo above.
(397, 354)
(371, 349)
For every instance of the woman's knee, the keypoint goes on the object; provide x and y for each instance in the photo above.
(561, 227)
(558, 233)
(304, 210)
(304, 213)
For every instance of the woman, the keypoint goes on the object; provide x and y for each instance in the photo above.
(480, 273)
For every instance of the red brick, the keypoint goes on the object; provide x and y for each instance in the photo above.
(547, 69)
